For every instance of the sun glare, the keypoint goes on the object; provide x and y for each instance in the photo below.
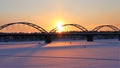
(59, 26)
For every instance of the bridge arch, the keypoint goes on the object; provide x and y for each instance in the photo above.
(25, 23)
(75, 25)
(110, 26)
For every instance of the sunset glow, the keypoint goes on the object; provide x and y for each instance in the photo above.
(59, 33)
(59, 26)
(45, 13)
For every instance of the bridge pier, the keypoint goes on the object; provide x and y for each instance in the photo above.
(119, 37)
(48, 38)
(90, 38)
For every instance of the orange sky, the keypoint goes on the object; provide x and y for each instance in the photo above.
(46, 13)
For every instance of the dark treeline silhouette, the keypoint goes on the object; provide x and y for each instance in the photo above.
(5, 37)
(69, 35)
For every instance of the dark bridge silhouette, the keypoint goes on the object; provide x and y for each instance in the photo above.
(110, 26)
(75, 25)
(25, 23)
(89, 34)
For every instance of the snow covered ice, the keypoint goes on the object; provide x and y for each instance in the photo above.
(61, 54)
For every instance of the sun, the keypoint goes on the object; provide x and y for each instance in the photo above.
(59, 26)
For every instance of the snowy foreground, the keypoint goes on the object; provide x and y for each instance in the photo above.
(60, 54)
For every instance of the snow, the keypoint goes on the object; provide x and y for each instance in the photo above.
(60, 54)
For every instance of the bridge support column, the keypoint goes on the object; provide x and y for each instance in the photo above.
(119, 37)
(48, 38)
(90, 38)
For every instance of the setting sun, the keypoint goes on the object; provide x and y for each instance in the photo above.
(59, 26)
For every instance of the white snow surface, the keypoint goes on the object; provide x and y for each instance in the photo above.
(60, 54)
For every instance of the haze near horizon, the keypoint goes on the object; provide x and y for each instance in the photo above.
(46, 13)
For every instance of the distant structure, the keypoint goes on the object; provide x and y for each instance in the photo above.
(89, 34)
(75, 25)
(25, 23)
(110, 26)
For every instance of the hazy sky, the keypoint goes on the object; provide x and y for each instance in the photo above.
(46, 13)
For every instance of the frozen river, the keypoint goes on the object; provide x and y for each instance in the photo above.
(60, 54)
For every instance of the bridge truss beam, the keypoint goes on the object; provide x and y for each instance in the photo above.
(75, 25)
(110, 26)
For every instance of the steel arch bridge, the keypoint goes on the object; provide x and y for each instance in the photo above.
(110, 26)
(75, 25)
(25, 23)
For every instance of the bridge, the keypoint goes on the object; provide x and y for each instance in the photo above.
(48, 35)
